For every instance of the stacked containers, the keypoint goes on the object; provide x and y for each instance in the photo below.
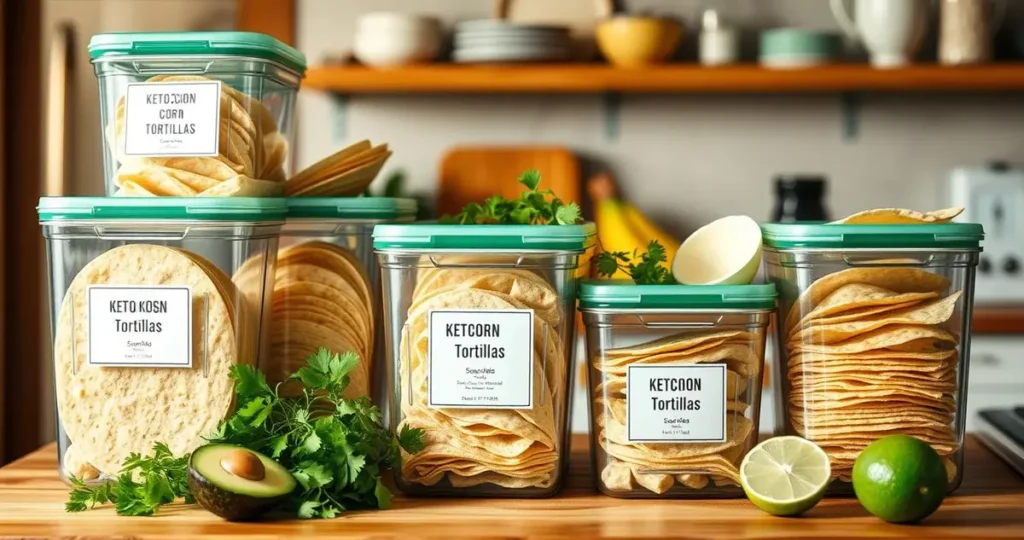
(150, 307)
(675, 385)
(327, 289)
(196, 113)
(479, 327)
(874, 334)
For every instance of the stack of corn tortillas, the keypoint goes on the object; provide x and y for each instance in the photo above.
(321, 298)
(659, 466)
(108, 412)
(873, 351)
(511, 448)
(251, 160)
(347, 172)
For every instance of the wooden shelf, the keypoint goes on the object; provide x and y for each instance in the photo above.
(596, 78)
(998, 319)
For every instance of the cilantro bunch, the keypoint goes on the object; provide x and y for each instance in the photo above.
(532, 207)
(649, 271)
(162, 478)
(336, 448)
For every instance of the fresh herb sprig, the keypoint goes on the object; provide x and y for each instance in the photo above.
(649, 271)
(533, 206)
(335, 447)
(144, 485)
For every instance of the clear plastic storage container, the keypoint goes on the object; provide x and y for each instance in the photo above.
(675, 377)
(874, 334)
(327, 289)
(152, 302)
(480, 333)
(196, 113)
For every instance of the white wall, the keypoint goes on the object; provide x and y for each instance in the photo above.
(684, 159)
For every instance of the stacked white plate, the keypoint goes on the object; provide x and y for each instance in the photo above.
(495, 41)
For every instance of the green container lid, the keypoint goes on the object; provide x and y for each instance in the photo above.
(428, 236)
(382, 208)
(117, 46)
(824, 236)
(624, 294)
(170, 208)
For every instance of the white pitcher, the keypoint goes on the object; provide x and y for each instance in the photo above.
(892, 30)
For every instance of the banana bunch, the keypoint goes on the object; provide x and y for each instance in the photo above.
(623, 227)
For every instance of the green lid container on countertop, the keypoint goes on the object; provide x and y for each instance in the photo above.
(431, 236)
(840, 236)
(624, 294)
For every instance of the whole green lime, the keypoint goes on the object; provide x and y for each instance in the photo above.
(900, 479)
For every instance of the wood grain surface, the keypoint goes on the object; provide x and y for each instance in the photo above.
(590, 78)
(1007, 319)
(990, 503)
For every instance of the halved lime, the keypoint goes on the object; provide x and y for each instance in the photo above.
(785, 476)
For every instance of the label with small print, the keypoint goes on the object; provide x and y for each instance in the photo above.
(167, 119)
(140, 326)
(675, 403)
(480, 359)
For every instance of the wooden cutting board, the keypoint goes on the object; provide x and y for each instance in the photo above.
(473, 173)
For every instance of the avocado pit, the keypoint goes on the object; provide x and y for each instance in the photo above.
(243, 464)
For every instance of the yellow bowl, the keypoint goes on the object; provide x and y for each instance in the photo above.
(638, 41)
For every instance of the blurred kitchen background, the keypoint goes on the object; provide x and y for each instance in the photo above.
(683, 159)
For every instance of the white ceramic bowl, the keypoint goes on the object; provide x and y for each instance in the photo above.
(726, 251)
(396, 39)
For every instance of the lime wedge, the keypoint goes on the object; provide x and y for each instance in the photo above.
(785, 476)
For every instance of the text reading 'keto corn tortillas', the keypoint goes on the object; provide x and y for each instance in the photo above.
(238, 150)
(145, 339)
(483, 370)
(685, 424)
(874, 351)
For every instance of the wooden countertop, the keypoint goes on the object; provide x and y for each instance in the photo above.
(990, 503)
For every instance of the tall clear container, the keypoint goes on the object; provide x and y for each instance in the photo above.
(874, 334)
(674, 375)
(152, 302)
(480, 333)
(332, 234)
(183, 112)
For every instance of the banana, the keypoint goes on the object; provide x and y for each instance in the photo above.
(643, 228)
(614, 232)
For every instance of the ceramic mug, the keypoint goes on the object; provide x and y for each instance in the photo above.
(891, 30)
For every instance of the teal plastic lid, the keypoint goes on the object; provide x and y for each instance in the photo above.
(824, 235)
(624, 294)
(151, 208)
(116, 46)
(484, 237)
(382, 208)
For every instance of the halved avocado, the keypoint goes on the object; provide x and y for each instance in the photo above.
(236, 483)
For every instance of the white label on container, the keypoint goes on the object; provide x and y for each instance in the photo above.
(675, 403)
(480, 359)
(172, 119)
(140, 326)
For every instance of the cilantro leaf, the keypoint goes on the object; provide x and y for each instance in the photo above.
(530, 178)
(307, 509)
(383, 495)
(249, 382)
(411, 439)
(650, 270)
